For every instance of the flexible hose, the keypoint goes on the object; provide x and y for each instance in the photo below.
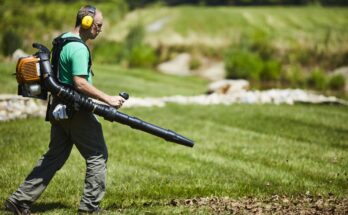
(71, 96)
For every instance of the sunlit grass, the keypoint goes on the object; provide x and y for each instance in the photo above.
(240, 150)
(218, 26)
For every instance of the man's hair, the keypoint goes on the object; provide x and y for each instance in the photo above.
(87, 10)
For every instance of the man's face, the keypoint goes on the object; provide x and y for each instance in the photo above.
(97, 25)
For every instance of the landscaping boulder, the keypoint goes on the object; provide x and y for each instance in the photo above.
(227, 86)
(178, 66)
(18, 54)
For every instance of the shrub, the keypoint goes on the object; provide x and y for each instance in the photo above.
(243, 64)
(337, 82)
(134, 37)
(142, 56)
(135, 53)
(107, 52)
(271, 71)
(194, 63)
(10, 42)
(295, 76)
(317, 79)
(260, 42)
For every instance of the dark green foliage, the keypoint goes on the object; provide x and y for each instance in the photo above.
(337, 82)
(135, 37)
(243, 64)
(260, 42)
(107, 52)
(10, 42)
(40, 20)
(317, 79)
(271, 71)
(142, 56)
(194, 63)
(294, 76)
(135, 52)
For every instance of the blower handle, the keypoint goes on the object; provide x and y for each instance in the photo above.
(41, 47)
(124, 95)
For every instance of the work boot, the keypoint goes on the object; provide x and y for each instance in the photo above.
(16, 209)
(95, 211)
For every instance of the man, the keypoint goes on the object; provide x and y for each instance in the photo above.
(82, 129)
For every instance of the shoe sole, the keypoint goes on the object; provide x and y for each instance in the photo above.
(10, 206)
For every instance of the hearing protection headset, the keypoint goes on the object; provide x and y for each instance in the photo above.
(87, 21)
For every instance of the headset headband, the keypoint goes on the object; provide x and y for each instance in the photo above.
(91, 9)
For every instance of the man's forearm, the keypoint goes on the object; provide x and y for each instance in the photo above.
(82, 85)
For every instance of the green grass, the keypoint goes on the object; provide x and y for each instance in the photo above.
(241, 150)
(114, 79)
(8, 80)
(146, 83)
(215, 26)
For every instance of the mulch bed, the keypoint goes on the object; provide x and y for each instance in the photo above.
(304, 204)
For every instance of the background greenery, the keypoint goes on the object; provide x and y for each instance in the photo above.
(270, 46)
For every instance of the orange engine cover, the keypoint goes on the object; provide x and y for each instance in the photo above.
(28, 70)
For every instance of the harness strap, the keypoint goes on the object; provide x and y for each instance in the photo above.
(58, 44)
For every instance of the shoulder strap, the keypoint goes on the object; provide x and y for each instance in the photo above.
(58, 44)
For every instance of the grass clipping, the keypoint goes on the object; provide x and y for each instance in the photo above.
(305, 204)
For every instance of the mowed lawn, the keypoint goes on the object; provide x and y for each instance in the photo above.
(284, 27)
(240, 150)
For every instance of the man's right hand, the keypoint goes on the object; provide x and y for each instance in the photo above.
(115, 101)
(83, 86)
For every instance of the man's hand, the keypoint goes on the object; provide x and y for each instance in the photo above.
(115, 101)
(82, 85)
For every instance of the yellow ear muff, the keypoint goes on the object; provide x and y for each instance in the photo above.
(87, 22)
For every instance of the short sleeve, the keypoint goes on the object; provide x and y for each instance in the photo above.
(79, 62)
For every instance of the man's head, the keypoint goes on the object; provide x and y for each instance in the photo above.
(90, 21)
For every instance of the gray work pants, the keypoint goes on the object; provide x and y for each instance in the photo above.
(86, 133)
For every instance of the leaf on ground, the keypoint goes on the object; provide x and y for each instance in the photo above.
(304, 204)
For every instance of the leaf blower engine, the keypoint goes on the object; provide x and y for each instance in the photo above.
(29, 77)
(36, 78)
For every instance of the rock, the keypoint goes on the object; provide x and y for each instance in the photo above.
(157, 25)
(344, 72)
(214, 72)
(17, 107)
(228, 86)
(18, 54)
(177, 66)
(14, 107)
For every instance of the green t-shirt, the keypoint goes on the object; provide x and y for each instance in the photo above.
(74, 59)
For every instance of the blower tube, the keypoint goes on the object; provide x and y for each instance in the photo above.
(110, 113)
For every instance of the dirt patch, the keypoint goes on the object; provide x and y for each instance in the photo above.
(305, 204)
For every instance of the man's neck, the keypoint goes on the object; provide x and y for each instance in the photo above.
(78, 31)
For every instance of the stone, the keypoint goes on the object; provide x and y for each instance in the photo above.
(18, 54)
(213, 72)
(228, 86)
(178, 66)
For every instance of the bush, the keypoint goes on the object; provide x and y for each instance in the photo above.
(295, 77)
(107, 52)
(337, 82)
(10, 42)
(134, 37)
(194, 63)
(142, 56)
(243, 64)
(261, 43)
(317, 80)
(135, 53)
(271, 71)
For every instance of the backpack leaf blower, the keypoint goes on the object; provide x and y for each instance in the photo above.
(35, 79)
